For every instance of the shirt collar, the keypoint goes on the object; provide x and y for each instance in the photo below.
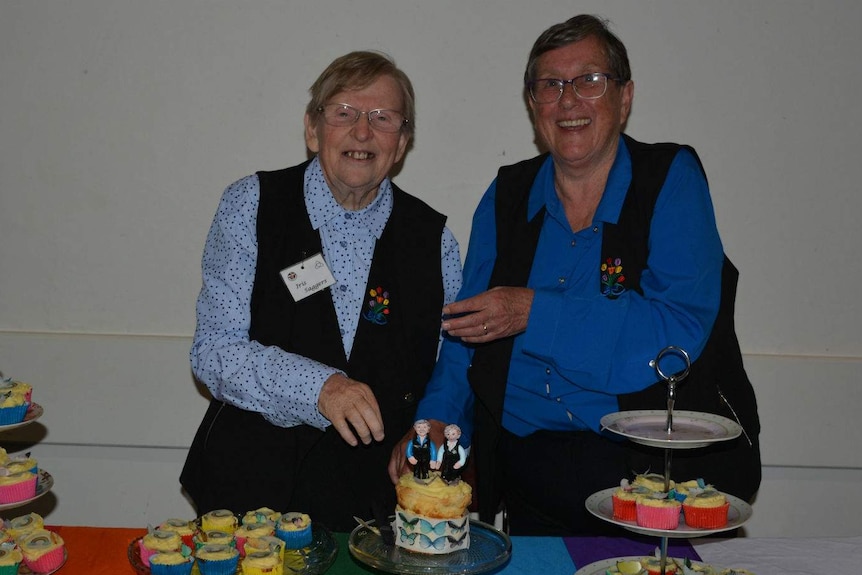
(322, 207)
(543, 192)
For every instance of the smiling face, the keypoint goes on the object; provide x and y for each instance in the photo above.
(581, 134)
(356, 158)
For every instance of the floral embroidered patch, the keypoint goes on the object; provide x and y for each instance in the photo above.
(378, 306)
(612, 277)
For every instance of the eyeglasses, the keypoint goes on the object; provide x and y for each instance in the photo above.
(341, 115)
(587, 87)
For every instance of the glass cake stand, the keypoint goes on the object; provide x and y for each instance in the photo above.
(489, 549)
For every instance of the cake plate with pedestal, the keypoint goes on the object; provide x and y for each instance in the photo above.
(668, 430)
(489, 549)
(44, 482)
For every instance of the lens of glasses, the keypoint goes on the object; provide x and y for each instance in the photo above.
(587, 87)
(343, 115)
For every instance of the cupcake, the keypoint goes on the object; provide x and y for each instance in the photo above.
(19, 526)
(171, 563)
(19, 387)
(10, 558)
(652, 481)
(262, 563)
(217, 559)
(219, 520)
(706, 509)
(16, 463)
(294, 529)
(652, 565)
(658, 513)
(623, 500)
(15, 487)
(202, 538)
(184, 528)
(250, 530)
(13, 408)
(689, 568)
(262, 515)
(43, 551)
(266, 543)
(158, 541)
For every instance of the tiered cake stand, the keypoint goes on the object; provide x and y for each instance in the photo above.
(668, 430)
(44, 483)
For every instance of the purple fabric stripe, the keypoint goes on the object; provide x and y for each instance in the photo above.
(586, 550)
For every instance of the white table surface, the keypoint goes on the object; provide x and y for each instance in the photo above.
(780, 556)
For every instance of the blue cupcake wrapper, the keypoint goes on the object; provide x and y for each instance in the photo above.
(181, 569)
(220, 567)
(14, 414)
(295, 539)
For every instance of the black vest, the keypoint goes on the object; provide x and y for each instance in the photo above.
(302, 467)
(734, 466)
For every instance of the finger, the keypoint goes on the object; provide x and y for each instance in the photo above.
(345, 432)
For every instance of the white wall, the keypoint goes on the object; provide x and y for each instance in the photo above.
(121, 123)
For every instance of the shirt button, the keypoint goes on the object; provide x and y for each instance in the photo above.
(595, 229)
(574, 243)
(408, 397)
(562, 280)
(342, 243)
(342, 287)
(348, 216)
(548, 370)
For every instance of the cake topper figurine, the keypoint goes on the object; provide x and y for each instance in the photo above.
(451, 456)
(421, 451)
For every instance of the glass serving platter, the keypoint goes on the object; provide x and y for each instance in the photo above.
(312, 560)
(489, 548)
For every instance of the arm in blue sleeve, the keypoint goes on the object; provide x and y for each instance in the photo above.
(284, 387)
(605, 345)
(448, 397)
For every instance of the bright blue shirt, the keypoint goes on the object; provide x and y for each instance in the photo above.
(581, 349)
(284, 386)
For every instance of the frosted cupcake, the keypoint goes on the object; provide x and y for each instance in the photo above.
(171, 563)
(262, 563)
(217, 559)
(652, 565)
(24, 462)
(250, 530)
(202, 538)
(19, 526)
(219, 520)
(13, 408)
(262, 515)
(43, 551)
(706, 509)
(658, 513)
(19, 387)
(624, 499)
(183, 527)
(652, 482)
(158, 541)
(266, 543)
(294, 529)
(10, 559)
(15, 487)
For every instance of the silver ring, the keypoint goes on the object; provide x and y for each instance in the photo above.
(484, 329)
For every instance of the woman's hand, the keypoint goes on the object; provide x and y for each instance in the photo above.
(351, 407)
(497, 313)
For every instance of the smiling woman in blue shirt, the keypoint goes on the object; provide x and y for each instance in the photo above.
(583, 264)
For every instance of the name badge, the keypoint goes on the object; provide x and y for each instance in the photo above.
(307, 277)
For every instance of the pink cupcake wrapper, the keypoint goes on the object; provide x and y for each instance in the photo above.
(18, 491)
(47, 562)
(658, 517)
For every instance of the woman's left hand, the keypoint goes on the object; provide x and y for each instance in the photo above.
(497, 313)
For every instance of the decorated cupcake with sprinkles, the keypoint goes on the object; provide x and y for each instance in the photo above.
(294, 529)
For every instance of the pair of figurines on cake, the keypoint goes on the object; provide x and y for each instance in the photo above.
(424, 455)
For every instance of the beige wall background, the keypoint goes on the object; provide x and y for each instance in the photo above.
(121, 123)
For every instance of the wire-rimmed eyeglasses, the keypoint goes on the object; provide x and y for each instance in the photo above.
(587, 87)
(341, 115)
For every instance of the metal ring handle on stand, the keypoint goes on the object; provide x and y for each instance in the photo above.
(671, 380)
